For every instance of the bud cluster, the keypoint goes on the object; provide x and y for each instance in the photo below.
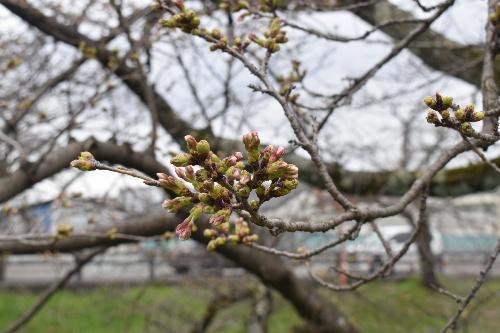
(233, 6)
(223, 185)
(186, 20)
(273, 37)
(439, 114)
(296, 75)
(189, 22)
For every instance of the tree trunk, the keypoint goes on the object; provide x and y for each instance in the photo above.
(426, 257)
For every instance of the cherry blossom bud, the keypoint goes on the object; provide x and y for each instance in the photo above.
(447, 101)
(63, 229)
(292, 172)
(211, 246)
(445, 114)
(432, 117)
(255, 204)
(83, 165)
(282, 169)
(85, 162)
(244, 192)
(181, 160)
(190, 142)
(266, 154)
(183, 229)
(179, 4)
(478, 116)
(174, 205)
(469, 109)
(209, 233)
(291, 184)
(205, 198)
(238, 155)
(251, 140)
(245, 177)
(466, 128)
(195, 212)
(86, 156)
(233, 239)
(219, 241)
(277, 154)
(224, 227)
(221, 216)
(460, 114)
(203, 147)
(430, 102)
(201, 175)
(251, 238)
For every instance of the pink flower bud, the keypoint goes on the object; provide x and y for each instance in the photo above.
(251, 140)
(183, 229)
(215, 220)
(190, 142)
(292, 172)
(190, 172)
(277, 154)
(238, 155)
(245, 178)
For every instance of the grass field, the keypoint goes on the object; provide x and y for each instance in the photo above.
(379, 307)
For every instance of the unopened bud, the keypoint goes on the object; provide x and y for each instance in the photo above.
(203, 147)
(64, 229)
(233, 239)
(251, 141)
(430, 102)
(466, 128)
(432, 117)
(469, 108)
(277, 154)
(181, 160)
(460, 114)
(244, 192)
(83, 165)
(209, 233)
(212, 246)
(447, 101)
(478, 116)
(445, 114)
(183, 229)
(190, 142)
(255, 204)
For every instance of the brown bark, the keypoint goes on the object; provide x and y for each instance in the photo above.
(427, 258)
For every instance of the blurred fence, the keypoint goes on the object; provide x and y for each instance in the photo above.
(136, 267)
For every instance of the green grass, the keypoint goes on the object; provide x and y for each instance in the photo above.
(377, 307)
